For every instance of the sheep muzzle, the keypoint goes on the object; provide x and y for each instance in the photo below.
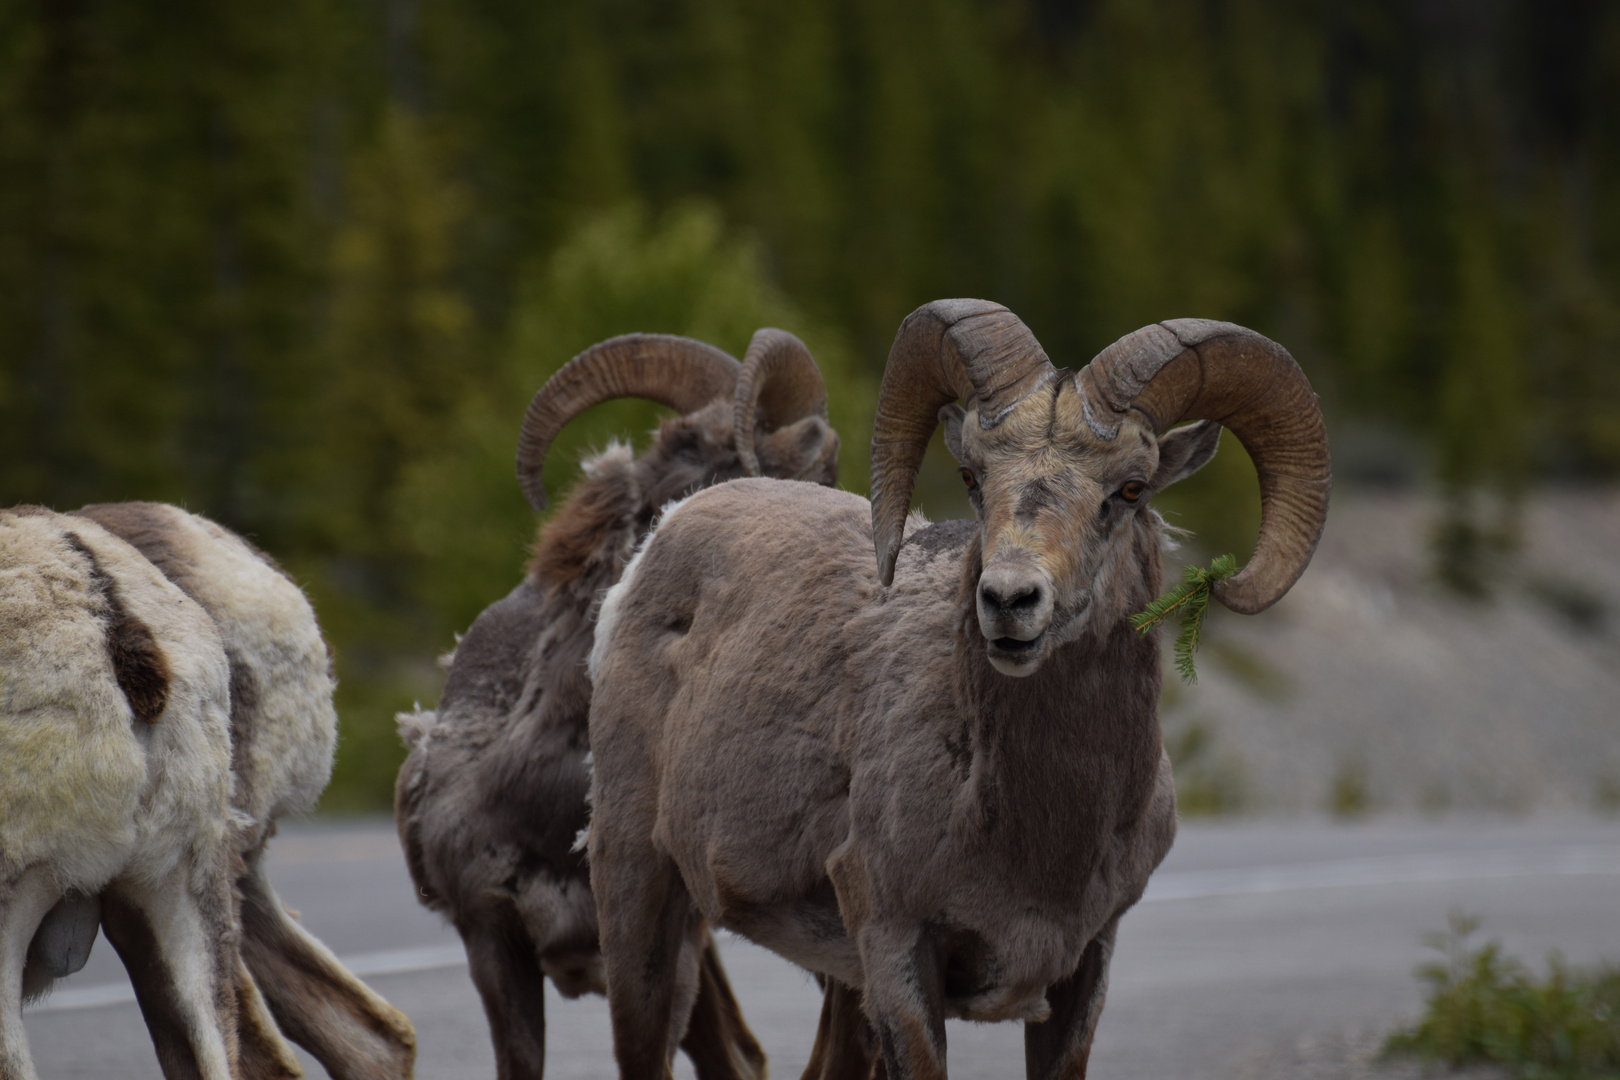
(1015, 603)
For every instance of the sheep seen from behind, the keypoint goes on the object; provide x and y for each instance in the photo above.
(937, 781)
(283, 737)
(114, 790)
(493, 793)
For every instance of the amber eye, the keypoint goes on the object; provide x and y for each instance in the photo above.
(1132, 491)
(967, 478)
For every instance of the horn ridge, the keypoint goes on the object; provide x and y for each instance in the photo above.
(1199, 369)
(950, 350)
(677, 372)
(779, 383)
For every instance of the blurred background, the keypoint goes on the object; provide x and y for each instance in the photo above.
(299, 267)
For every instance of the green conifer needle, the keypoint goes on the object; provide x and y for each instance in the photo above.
(1191, 599)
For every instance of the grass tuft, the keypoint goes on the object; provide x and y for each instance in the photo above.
(1486, 1008)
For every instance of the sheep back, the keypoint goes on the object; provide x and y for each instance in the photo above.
(86, 784)
(283, 725)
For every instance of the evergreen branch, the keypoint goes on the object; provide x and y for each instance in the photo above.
(1191, 598)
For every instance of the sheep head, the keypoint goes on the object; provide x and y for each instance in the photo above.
(1061, 465)
(765, 416)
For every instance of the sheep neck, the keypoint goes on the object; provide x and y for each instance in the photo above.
(1063, 758)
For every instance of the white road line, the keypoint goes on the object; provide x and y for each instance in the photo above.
(365, 965)
(1385, 870)
(1180, 885)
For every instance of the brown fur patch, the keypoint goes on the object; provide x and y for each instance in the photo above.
(150, 529)
(138, 662)
(572, 541)
(244, 715)
(264, 1055)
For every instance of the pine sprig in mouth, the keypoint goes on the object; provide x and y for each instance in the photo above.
(1191, 599)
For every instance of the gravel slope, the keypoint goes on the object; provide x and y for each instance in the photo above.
(1368, 688)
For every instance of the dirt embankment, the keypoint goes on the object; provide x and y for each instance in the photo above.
(1370, 688)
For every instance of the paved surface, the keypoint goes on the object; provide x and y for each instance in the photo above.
(1262, 949)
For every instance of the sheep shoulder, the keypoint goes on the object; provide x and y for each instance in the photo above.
(506, 748)
(746, 618)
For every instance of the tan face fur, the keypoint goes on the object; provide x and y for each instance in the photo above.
(1058, 520)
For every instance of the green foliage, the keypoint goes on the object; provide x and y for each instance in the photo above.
(1208, 784)
(452, 515)
(1348, 796)
(1190, 600)
(301, 269)
(1484, 1008)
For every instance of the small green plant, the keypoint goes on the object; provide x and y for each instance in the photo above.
(1348, 796)
(1606, 796)
(1208, 784)
(1191, 599)
(1485, 1008)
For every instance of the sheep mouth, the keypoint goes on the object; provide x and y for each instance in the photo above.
(1014, 651)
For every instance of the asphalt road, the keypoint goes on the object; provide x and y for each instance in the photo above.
(1256, 943)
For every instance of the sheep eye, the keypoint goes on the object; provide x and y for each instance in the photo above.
(967, 478)
(1132, 491)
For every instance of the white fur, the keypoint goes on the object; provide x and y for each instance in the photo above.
(91, 796)
(616, 455)
(83, 785)
(607, 619)
(267, 623)
(416, 725)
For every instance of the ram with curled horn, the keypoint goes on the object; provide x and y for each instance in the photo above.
(492, 795)
(936, 780)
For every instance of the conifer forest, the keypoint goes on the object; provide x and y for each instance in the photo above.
(300, 267)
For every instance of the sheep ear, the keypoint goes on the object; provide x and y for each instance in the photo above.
(952, 416)
(1185, 450)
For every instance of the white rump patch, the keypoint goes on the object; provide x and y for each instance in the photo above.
(607, 618)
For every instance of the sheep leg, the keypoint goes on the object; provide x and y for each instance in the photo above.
(845, 1048)
(504, 968)
(905, 999)
(262, 1052)
(348, 1028)
(650, 944)
(178, 946)
(717, 1039)
(1059, 1047)
(23, 904)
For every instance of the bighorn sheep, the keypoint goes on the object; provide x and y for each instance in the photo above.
(492, 795)
(940, 783)
(283, 735)
(114, 789)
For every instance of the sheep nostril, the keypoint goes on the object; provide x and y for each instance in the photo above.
(1028, 600)
(1019, 602)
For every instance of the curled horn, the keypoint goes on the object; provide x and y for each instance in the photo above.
(678, 372)
(950, 350)
(1195, 369)
(779, 384)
